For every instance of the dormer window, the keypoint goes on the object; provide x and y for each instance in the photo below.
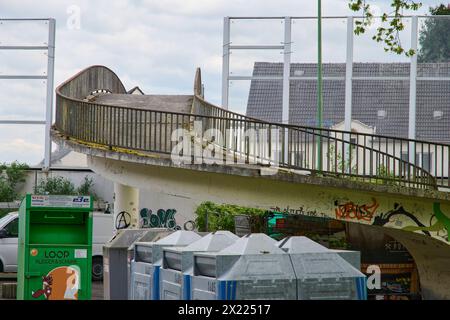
(381, 114)
(438, 114)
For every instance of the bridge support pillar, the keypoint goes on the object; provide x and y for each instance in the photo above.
(126, 206)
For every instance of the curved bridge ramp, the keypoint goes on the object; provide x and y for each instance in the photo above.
(184, 145)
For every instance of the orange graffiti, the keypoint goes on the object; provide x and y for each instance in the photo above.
(352, 211)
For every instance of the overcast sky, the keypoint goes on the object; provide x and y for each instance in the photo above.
(156, 45)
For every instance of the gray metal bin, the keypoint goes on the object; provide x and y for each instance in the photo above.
(305, 244)
(147, 261)
(251, 268)
(322, 274)
(176, 269)
(351, 256)
(115, 283)
(153, 234)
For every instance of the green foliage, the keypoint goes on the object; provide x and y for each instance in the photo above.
(55, 185)
(63, 186)
(387, 176)
(389, 32)
(343, 165)
(221, 217)
(434, 38)
(10, 177)
(3, 212)
(85, 188)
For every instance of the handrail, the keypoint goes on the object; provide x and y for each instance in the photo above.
(358, 156)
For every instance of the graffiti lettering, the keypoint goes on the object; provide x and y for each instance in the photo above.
(300, 211)
(352, 211)
(163, 219)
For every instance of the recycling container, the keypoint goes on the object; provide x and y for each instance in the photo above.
(305, 244)
(251, 268)
(152, 234)
(55, 248)
(176, 269)
(147, 262)
(351, 256)
(322, 274)
(115, 262)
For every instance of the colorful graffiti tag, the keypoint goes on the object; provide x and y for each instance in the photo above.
(351, 211)
(441, 226)
(439, 222)
(370, 213)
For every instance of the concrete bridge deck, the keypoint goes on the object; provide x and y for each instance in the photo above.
(173, 103)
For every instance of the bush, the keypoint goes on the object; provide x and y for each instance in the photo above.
(221, 217)
(55, 185)
(63, 186)
(10, 177)
(85, 188)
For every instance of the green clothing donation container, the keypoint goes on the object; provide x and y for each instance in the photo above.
(55, 248)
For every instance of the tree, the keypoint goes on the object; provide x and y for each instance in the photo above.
(392, 23)
(434, 38)
(10, 177)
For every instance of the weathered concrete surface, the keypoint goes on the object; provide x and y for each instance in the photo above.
(170, 103)
(293, 176)
(431, 253)
(432, 258)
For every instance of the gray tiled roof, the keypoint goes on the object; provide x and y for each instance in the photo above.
(369, 96)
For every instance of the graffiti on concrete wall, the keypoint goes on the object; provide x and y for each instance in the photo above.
(368, 213)
(351, 211)
(431, 222)
(439, 223)
(300, 211)
(163, 219)
(398, 210)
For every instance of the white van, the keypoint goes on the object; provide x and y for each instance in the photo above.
(103, 230)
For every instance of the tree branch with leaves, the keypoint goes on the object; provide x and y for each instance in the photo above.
(392, 23)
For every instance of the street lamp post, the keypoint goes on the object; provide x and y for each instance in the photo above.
(319, 84)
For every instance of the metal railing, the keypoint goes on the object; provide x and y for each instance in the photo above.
(226, 137)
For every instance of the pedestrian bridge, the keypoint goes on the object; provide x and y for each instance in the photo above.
(185, 146)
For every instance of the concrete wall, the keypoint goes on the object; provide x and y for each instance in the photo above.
(185, 189)
(404, 218)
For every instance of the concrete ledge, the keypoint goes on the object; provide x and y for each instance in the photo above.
(156, 159)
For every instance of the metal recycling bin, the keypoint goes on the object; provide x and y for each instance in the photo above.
(322, 274)
(55, 248)
(147, 262)
(307, 245)
(251, 268)
(351, 256)
(115, 263)
(176, 269)
(153, 234)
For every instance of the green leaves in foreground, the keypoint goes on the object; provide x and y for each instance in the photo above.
(391, 24)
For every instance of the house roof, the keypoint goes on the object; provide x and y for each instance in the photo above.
(135, 89)
(368, 97)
